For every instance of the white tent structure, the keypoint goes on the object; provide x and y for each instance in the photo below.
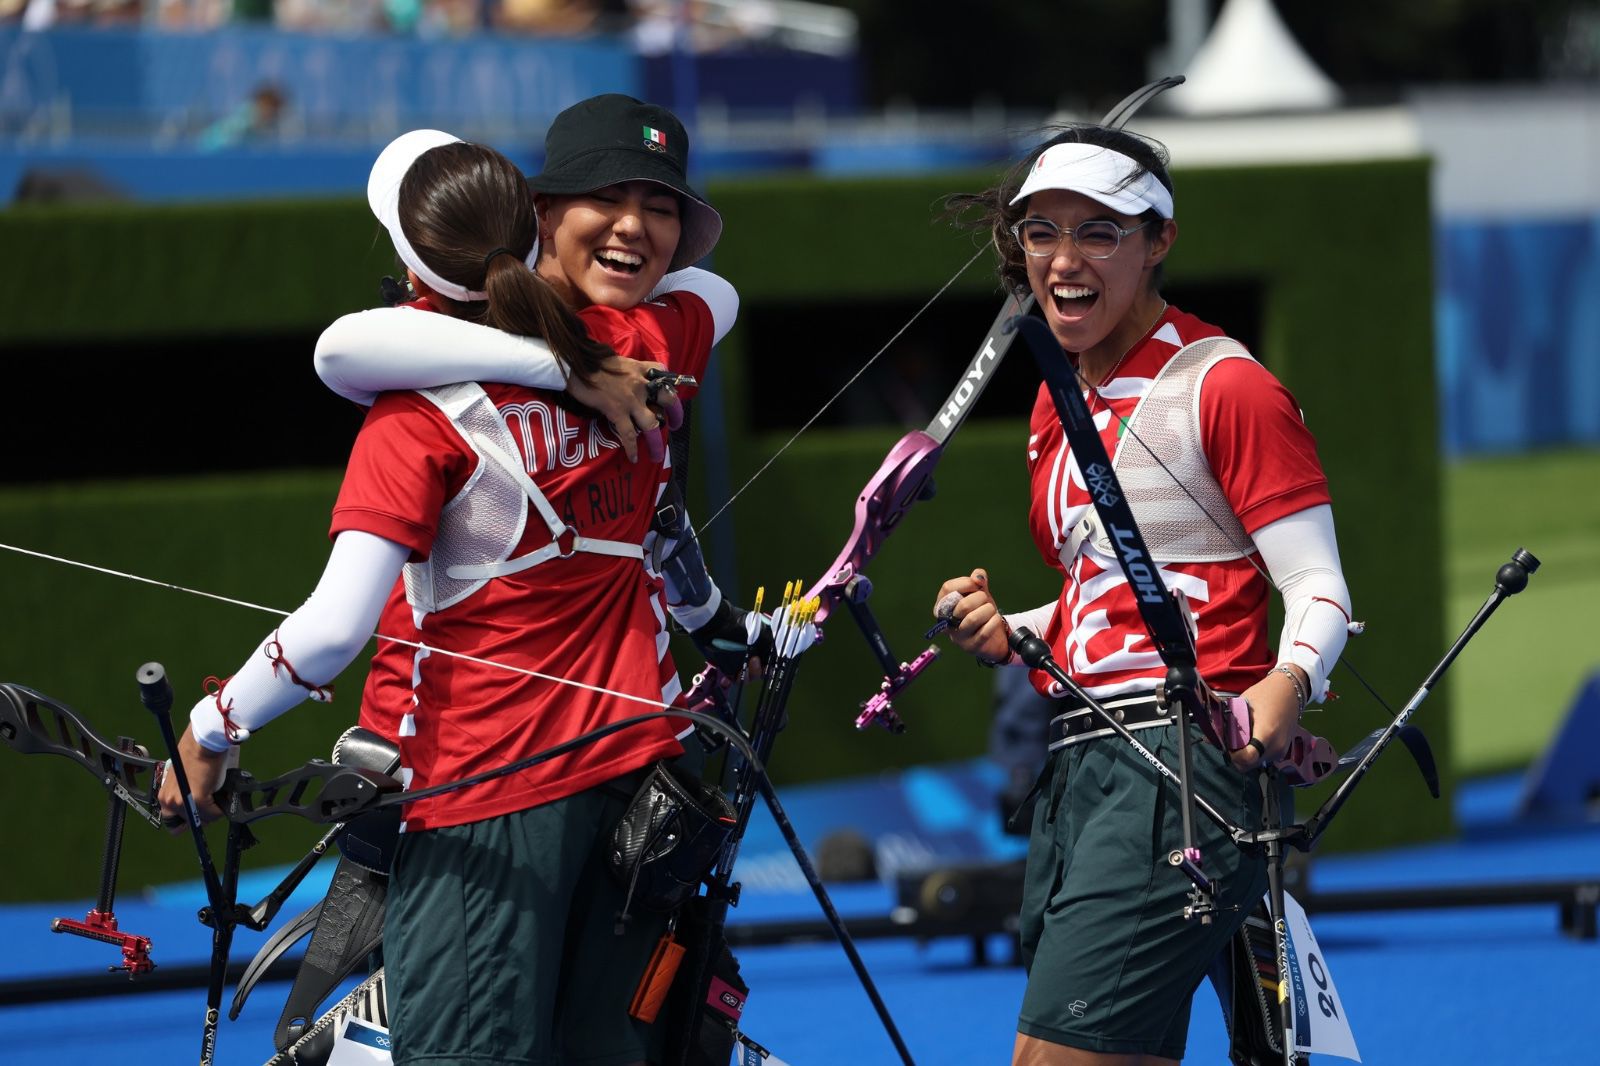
(1251, 63)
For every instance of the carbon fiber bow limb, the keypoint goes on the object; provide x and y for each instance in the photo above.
(794, 631)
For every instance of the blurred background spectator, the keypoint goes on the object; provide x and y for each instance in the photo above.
(253, 121)
(554, 18)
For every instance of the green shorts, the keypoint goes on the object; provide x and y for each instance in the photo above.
(1112, 963)
(501, 946)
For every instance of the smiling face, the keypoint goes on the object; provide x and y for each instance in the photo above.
(1096, 307)
(611, 246)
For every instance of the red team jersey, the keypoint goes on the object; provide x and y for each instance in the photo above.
(589, 618)
(1264, 459)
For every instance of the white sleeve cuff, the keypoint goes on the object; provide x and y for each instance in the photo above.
(1036, 618)
(209, 729)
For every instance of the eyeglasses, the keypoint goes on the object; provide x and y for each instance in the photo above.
(1096, 239)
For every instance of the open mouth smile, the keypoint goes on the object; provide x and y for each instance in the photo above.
(614, 260)
(1073, 301)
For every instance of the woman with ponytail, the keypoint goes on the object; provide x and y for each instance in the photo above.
(620, 229)
(518, 521)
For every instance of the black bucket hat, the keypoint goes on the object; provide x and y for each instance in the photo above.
(612, 138)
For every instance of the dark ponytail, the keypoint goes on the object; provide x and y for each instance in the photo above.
(461, 202)
(990, 212)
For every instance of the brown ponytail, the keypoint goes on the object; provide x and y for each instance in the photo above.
(461, 202)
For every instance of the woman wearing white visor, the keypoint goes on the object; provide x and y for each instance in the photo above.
(501, 944)
(1085, 223)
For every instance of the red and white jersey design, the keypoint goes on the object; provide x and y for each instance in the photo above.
(1265, 462)
(592, 619)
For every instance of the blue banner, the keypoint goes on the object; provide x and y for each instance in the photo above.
(1519, 333)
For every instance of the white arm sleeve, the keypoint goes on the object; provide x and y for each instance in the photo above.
(369, 352)
(1035, 619)
(1302, 556)
(319, 640)
(721, 297)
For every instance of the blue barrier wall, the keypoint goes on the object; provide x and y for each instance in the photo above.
(1518, 306)
(115, 80)
(184, 174)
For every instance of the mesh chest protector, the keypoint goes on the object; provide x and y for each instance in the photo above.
(1159, 457)
(480, 527)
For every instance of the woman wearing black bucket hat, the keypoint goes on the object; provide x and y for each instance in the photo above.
(613, 139)
(607, 249)
(594, 151)
(503, 943)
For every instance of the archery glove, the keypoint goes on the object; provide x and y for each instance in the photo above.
(732, 637)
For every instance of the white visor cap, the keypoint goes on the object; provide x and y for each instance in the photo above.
(383, 196)
(1100, 174)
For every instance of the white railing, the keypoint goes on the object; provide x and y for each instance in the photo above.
(796, 24)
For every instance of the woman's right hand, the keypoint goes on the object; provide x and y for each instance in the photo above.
(620, 393)
(976, 625)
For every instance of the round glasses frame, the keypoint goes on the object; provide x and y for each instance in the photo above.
(1090, 238)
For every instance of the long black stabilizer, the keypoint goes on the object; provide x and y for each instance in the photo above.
(1509, 580)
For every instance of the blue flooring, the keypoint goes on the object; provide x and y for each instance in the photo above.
(1495, 985)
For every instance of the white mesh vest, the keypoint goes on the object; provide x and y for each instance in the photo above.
(482, 524)
(1197, 525)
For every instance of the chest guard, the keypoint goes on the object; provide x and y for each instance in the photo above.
(481, 526)
(1159, 457)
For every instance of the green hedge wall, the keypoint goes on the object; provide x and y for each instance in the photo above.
(1341, 254)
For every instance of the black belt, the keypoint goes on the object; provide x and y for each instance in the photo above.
(1135, 712)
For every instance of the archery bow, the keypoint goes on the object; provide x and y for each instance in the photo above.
(332, 793)
(34, 724)
(327, 793)
(905, 477)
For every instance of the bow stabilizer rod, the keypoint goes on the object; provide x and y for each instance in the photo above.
(155, 692)
(1509, 580)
